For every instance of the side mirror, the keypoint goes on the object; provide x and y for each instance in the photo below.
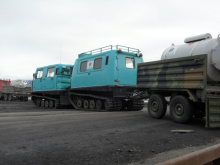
(34, 75)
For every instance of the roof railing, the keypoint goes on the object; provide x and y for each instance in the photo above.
(109, 48)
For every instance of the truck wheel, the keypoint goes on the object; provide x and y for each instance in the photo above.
(6, 97)
(181, 109)
(98, 104)
(86, 104)
(199, 110)
(21, 98)
(42, 103)
(79, 103)
(46, 104)
(51, 104)
(9, 97)
(157, 106)
(91, 104)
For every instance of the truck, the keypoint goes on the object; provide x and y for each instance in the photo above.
(189, 75)
(104, 78)
(9, 92)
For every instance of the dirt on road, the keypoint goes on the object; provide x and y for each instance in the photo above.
(30, 135)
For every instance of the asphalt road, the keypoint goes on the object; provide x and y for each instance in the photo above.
(29, 135)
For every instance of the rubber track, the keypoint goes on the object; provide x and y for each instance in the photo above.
(57, 101)
(137, 105)
(114, 103)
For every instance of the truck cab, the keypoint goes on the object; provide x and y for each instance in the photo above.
(52, 78)
(3, 82)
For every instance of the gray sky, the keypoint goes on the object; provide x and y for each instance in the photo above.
(32, 32)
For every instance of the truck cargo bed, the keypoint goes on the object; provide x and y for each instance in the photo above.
(186, 72)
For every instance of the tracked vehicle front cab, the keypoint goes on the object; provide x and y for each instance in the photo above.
(105, 68)
(50, 86)
(52, 78)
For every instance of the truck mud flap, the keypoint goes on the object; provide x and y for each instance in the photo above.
(213, 111)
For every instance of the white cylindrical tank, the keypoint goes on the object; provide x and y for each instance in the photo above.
(198, 45)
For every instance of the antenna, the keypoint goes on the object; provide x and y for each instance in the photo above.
(60, 52)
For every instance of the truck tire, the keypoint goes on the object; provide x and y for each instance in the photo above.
(10, 97)
(157, 106)
(5, 97)
(85, 104)
(21, 98)
(199, 110)
(181, 109)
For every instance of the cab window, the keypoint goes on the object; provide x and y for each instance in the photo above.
(39, 74)
(50, 72)
(129, 62)
(83, 66)
(98, 63)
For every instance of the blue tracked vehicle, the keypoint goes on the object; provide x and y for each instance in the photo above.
(103, 78)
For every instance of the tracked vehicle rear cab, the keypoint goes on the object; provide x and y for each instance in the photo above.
(50, 85)
(106, 78)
